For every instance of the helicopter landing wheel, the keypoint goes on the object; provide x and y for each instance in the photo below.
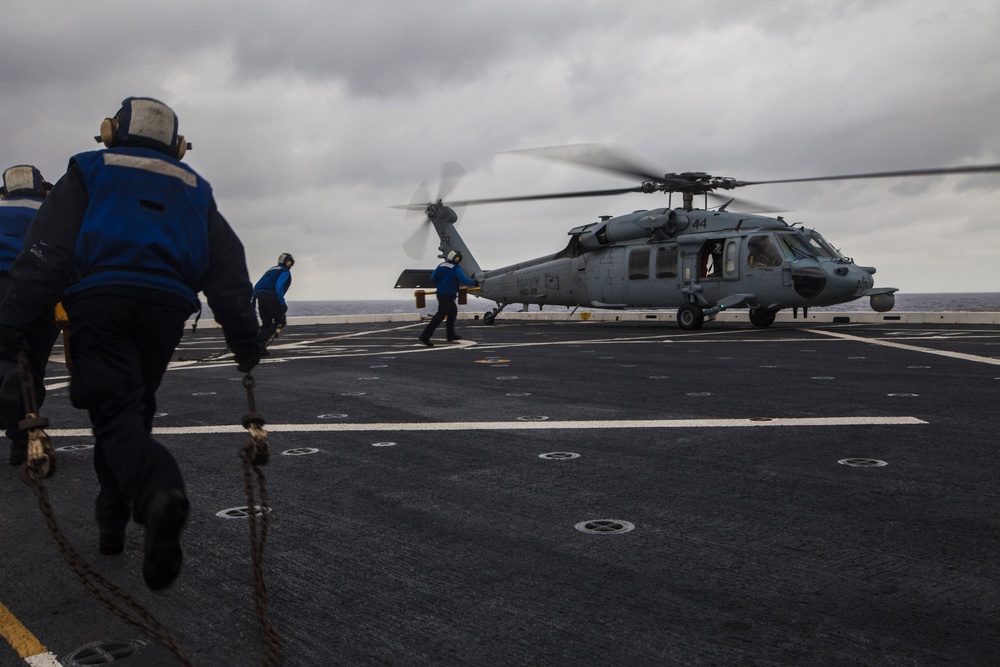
(489, 318)
(690, 316)
(761, 317)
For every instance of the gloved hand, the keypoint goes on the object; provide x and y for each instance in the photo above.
(13, 339)
(476, 283)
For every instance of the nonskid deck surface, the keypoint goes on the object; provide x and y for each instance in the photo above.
(555, 493)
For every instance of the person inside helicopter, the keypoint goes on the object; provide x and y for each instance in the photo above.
(762, 253)
(711, 259)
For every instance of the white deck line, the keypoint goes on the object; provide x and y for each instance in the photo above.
(334, 427)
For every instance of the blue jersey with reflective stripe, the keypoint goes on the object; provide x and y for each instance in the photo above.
(275, 280)
(447, 277)
(146, 224)
(16, 215)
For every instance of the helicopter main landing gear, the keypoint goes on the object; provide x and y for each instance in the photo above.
(690, 316)
(762, 317)
(491, 317)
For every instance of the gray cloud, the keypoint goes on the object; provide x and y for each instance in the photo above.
(311, 117)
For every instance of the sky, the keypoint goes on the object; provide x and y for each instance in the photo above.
(312, 118)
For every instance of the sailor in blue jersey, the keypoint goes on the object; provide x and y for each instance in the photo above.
(127, 238)
(269, 294)
(20, 196)
(447, 277)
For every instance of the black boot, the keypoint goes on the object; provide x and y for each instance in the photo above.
(10, 395)
(166, 513)
(111, 540)
(18, 452)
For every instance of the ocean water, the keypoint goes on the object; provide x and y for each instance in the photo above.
(930, 303)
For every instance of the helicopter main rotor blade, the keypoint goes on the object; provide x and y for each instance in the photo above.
(970, 169)
(554, 195)
(745, 205)
(597, 156)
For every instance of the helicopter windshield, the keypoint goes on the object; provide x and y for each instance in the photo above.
(821, 246)
(795, 246)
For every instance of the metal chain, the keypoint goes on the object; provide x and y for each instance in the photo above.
(254, 455)
(41, 464)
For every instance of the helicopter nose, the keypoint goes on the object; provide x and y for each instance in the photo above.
(809, 281)
(848, 280)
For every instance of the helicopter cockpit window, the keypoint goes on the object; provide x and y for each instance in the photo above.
(762, 253)
(666, 262)
(821, 247)
(795, 246)
(638, 264)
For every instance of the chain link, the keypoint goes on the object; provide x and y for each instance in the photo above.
(41, 464)
(254, 455)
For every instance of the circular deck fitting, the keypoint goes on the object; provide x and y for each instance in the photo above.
(73, 448)
(559, 456)
(160, 414)
(379, 366)
(240, 512)
(204, 393)
(299, 451)
(532, 418)
(863, 463)
(353, 393)
(604, 526)
(103, 653)
(331, 416)
(383, 444)
(904, 395)
(519, 393)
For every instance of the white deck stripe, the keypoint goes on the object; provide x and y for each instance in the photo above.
(526, 426)
(912, 348)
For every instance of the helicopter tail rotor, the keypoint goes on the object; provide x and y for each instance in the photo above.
(415, 245)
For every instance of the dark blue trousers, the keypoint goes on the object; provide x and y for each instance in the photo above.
(41, 343)
(120, 349)
(446, 309)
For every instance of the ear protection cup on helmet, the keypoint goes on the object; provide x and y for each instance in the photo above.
(109, 132)
(182, 146)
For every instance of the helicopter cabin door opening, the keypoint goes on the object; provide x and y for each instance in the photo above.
(719, 258)
(718, 261)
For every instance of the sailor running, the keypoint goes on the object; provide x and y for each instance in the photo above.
(127, 238)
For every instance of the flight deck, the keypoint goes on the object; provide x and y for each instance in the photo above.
(553, 493)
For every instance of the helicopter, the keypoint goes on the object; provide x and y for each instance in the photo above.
(699, 261)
